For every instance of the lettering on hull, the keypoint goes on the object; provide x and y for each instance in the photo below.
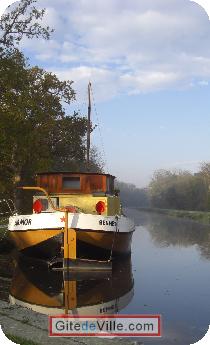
(23, 222)
(108, 222)
(56, 220)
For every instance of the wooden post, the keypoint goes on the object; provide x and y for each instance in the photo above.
(70, 253)
(70, 292)
(70, 242)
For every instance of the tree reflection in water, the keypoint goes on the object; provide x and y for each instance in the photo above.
(168, 231)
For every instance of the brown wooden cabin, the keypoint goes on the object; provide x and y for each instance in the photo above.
(76, 183)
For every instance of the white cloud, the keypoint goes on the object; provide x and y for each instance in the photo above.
(141, 46)
(148, 80)
(105, 82)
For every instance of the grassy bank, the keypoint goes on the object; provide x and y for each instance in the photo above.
(197, 216)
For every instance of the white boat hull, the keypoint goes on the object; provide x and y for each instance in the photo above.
(42, 234)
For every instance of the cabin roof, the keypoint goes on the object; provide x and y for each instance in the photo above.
(73, 173)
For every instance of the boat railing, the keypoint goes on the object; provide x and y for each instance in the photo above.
(40, 189)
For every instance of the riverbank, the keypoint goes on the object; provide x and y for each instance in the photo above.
(32, 329)
(20, 340)
(197, 216)
(6, 244)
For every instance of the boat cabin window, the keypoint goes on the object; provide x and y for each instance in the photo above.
(71, 183)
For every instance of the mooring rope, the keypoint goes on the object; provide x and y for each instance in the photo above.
(113, 240)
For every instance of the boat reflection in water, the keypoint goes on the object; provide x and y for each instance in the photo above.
(50, 292)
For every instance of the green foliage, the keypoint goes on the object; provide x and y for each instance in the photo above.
(23, 20)
(35, 132)
(179, 190)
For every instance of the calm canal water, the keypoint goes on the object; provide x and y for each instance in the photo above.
(168, 274)
(171, 268)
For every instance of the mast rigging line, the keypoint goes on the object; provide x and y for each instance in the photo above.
(99, 129)
(88, 128)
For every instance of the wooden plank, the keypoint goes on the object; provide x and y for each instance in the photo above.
(70, 241)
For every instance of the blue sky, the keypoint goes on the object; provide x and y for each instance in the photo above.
(149, 64)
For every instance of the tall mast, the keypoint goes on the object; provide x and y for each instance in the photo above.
(88, 127)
